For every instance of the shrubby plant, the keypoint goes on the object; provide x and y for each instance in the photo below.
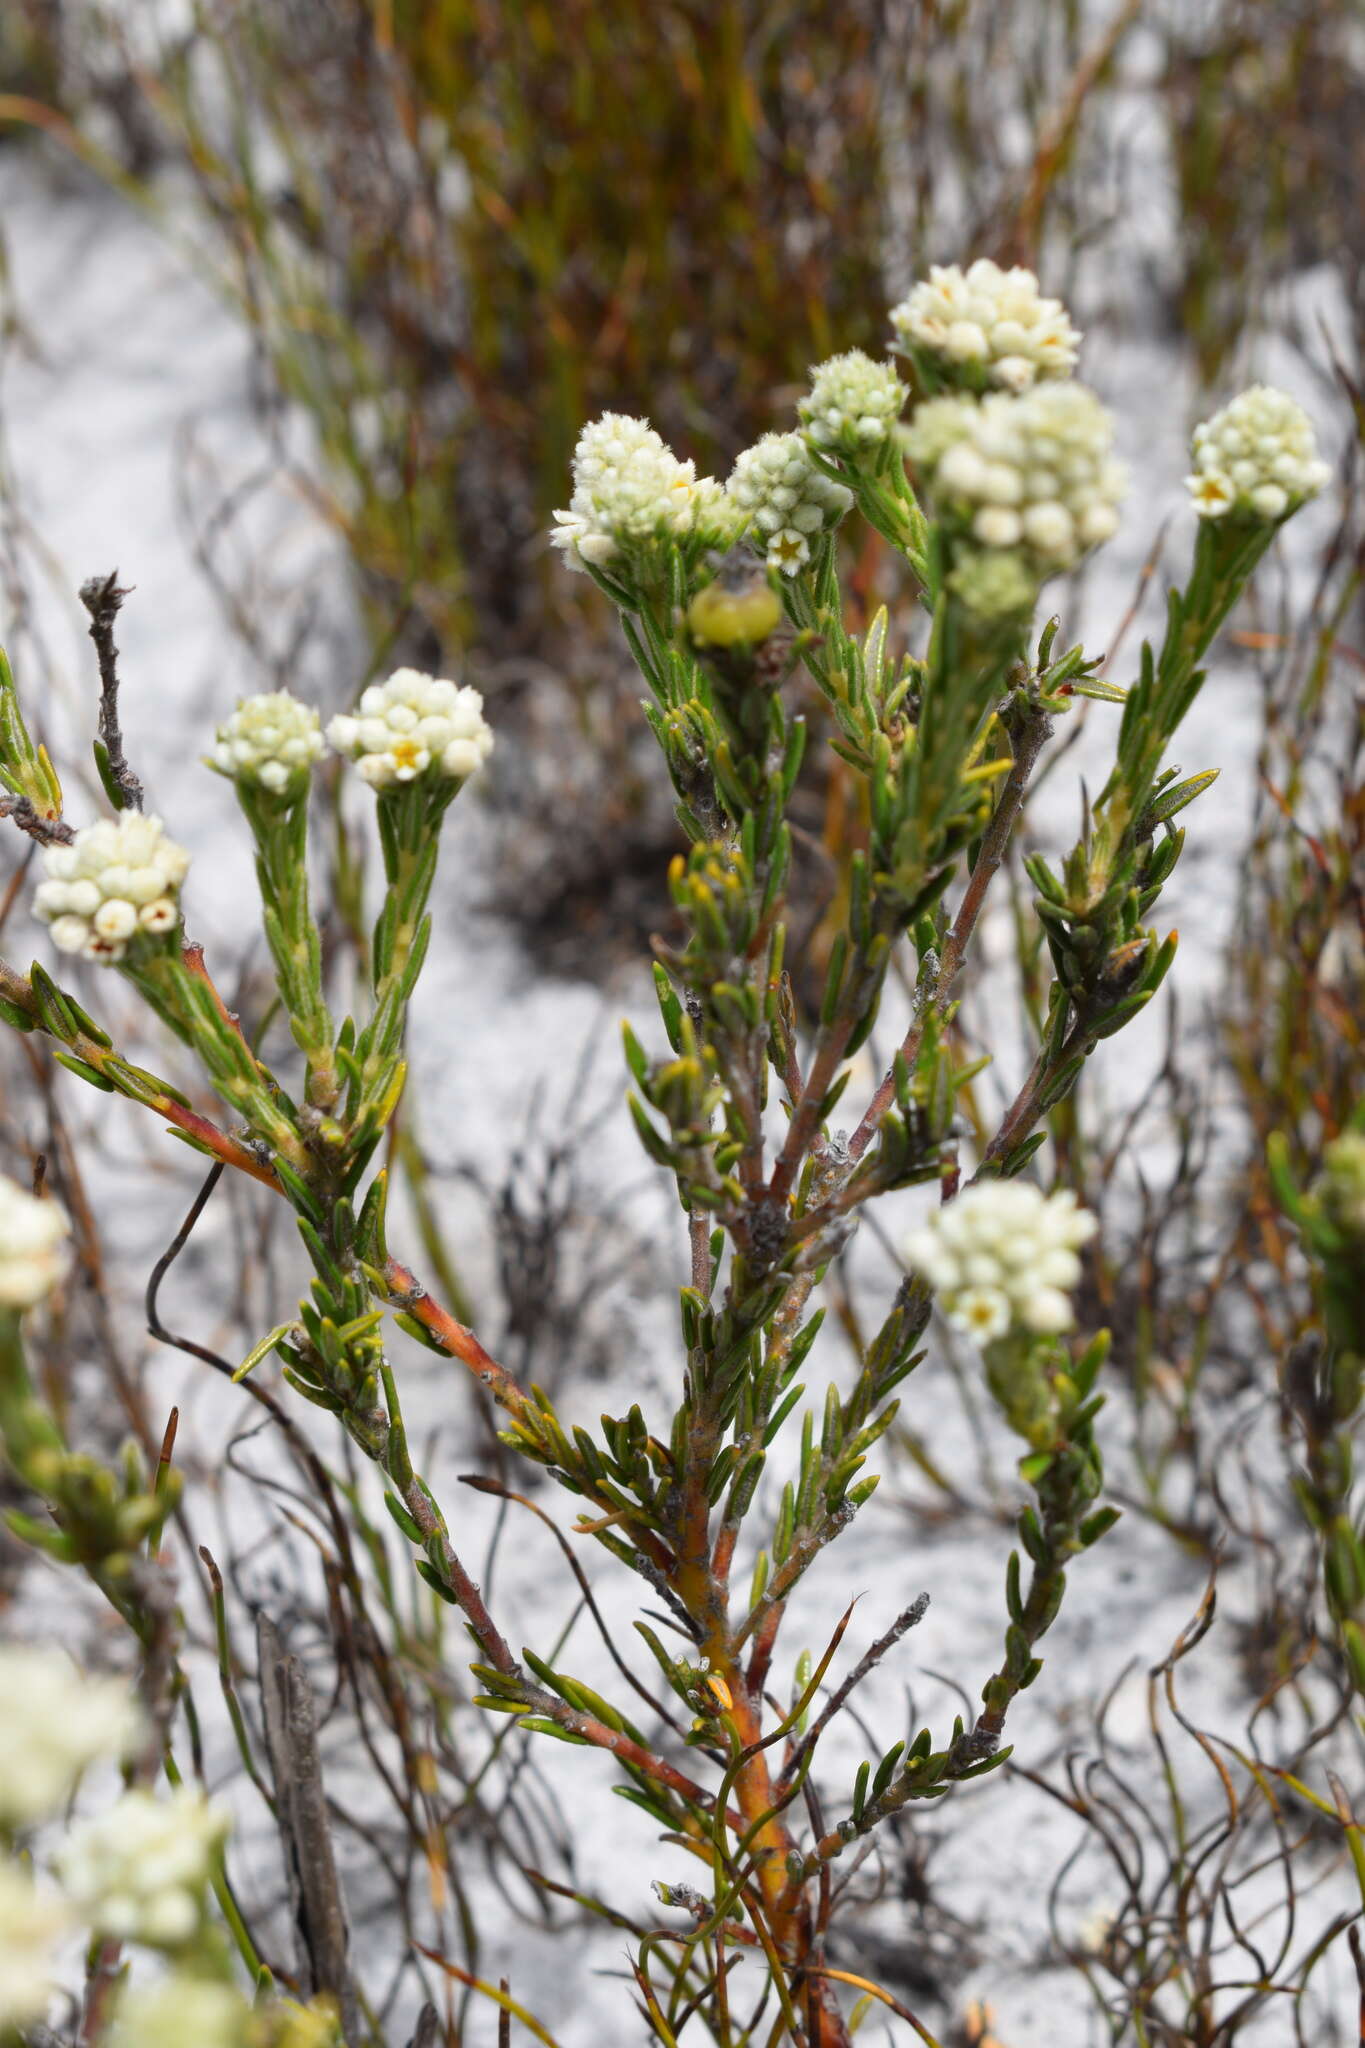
(999, 476)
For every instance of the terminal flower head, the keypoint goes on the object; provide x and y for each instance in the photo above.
(181, 2010)
(55, 1720)
(1003, 1257)
(186, 2010)
(271, 739)
(139, 1871)
(1257, 458)
(631, 492)
(1341, 1185)
(783, 501)
(1033, 476)
(414, 725)
(33, 1257)
(31, 1925)
(118, 881)
(853, 402)
(985, 326)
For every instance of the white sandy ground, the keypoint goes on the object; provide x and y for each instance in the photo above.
(134, 362)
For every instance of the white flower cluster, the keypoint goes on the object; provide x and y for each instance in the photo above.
(181, 2012)
(54, 1720)
(630, 490)
(988, 322)
(186, 2010)
(413, 723)
(116, 879)
(1035, 475)
(31, 1925)
(1341, 1185)
(1001, 1257)
(1258, 457)
(852, 402)
(33, 1257)
(783, 499)
(271, 739)
(138, 1872)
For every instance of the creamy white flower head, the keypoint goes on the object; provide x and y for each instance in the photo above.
(632, 492)
(852, 403)
(54, 1721)
(987, 325)
(138, 1872)
(1340, 1187)
(995, 583)
(936, 426)
(783, 500)
(1034, 476)
(182, 2012)
(31, 1925)
(1003, 1256)
(118, 879)
(271, 739)
(33, 1257)
(1257, 458)
(414, 725)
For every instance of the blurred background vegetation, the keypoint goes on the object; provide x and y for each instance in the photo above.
(456, 229)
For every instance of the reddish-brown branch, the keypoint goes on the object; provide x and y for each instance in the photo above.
(786, 1909)
(15, 989)
(471, 1602)
(454, 1338)
(459, 1342)
(630, 1752)
(215, 1141)
(192, 953)
(497, 1650)
(1028, 740)
(1026, 1107)
(806, 1121)
(722, 1556)
(45, 831)
(761, 1656)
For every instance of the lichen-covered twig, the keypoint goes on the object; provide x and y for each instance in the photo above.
(103, 598)
(25, 814)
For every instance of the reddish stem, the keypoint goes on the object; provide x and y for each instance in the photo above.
(1033, 730)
